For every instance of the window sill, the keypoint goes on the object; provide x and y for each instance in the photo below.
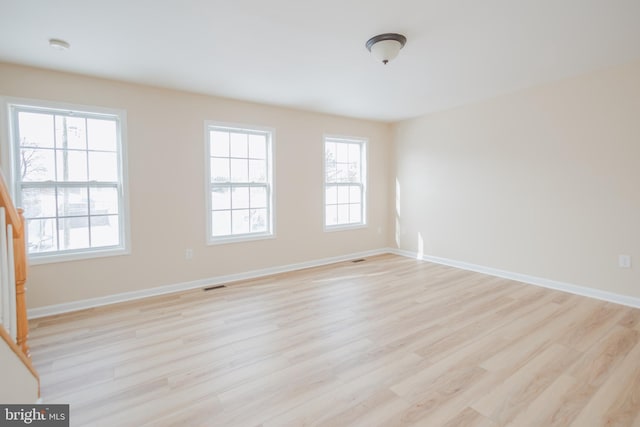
(38, 259)
(345, 227)
(214, 241)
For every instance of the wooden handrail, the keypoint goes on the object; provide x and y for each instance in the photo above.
(15, 217)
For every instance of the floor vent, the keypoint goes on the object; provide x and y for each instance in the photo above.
(358, 260)
(210, 288)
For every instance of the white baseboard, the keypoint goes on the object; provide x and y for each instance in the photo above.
(50, 310)
(524, 278)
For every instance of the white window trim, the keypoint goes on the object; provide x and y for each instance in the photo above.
(10, 169)
(271, 168)
(365, 184)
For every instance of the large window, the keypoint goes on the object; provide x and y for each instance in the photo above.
(240, 185)
(67, 168)
(345, 177)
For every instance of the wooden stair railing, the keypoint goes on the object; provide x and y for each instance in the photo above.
(16, 219)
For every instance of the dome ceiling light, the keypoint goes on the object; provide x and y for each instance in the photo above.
(385, 47)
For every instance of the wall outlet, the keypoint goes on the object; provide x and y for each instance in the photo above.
(624, 261)
(188, 254)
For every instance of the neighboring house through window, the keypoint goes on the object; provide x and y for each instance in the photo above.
(240, 184)
(68, 173)
(345, 177)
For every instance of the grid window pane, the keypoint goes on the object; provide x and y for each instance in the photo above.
(105, 230)
(239, 145)
(221, 198)
(72, 201)
(331, 195)
(240, 198)
(73, 233)
(240, 221)
(37, 165)
(41, 235)
(35, 130)
(71, 165)
(220, 170)
(221, 223)
(219, 143)
(80, 205)
(102, 135)
(103, 166)
(103, 200)
(71, 132)
(343, 214)
(39, 202)
(239, 170)
(355, 213)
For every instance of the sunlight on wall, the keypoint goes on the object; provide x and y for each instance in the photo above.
(397, 212)
(420, 246)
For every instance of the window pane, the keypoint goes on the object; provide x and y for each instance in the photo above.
(331, 214)
(354, 153)
(330, 153)
(331, 194)
(343, 214)
(257, 146)
(39, 202)
(258, 220)
(342, 152)
(103, 200)
(354, 172)
(257, 171)
(240, 224)
(220, 198)
(72, 165)
(37, 165)
(342, 172)
(102, 135)
(105, 231)
(239, 145)
(221, 223)
(36, 130)
(355, 213)
(258, 197)
(239, 170)
(220, 170)
(71, 132)
(41, 235)
(240, 198)
(103, 167)
(219, 143)
(74, 233)
(343, 194)
(72, 202)
(355, 194)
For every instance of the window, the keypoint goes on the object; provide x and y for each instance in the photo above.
(345, 177)
(240, 187)
(68, 175)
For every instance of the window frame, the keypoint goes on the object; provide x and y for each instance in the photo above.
(11, 166)
(210, 125)
(364, 177)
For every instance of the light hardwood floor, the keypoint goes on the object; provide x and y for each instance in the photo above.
(390, 341)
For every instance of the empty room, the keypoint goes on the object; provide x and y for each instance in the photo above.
(279, 213)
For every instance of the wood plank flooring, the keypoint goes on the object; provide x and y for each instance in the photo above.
(386, 342)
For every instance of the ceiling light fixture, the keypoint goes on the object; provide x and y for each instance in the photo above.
(385, 47)
(59, 44)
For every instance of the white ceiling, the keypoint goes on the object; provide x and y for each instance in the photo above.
(311, 54)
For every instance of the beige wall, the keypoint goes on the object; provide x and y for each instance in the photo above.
(166, 187)
(544, 182)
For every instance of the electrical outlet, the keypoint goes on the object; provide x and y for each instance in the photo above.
(188, 254)
(624, 261)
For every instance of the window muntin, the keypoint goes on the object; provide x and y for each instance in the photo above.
(344, 182)
(68, 176)
(240, 183)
